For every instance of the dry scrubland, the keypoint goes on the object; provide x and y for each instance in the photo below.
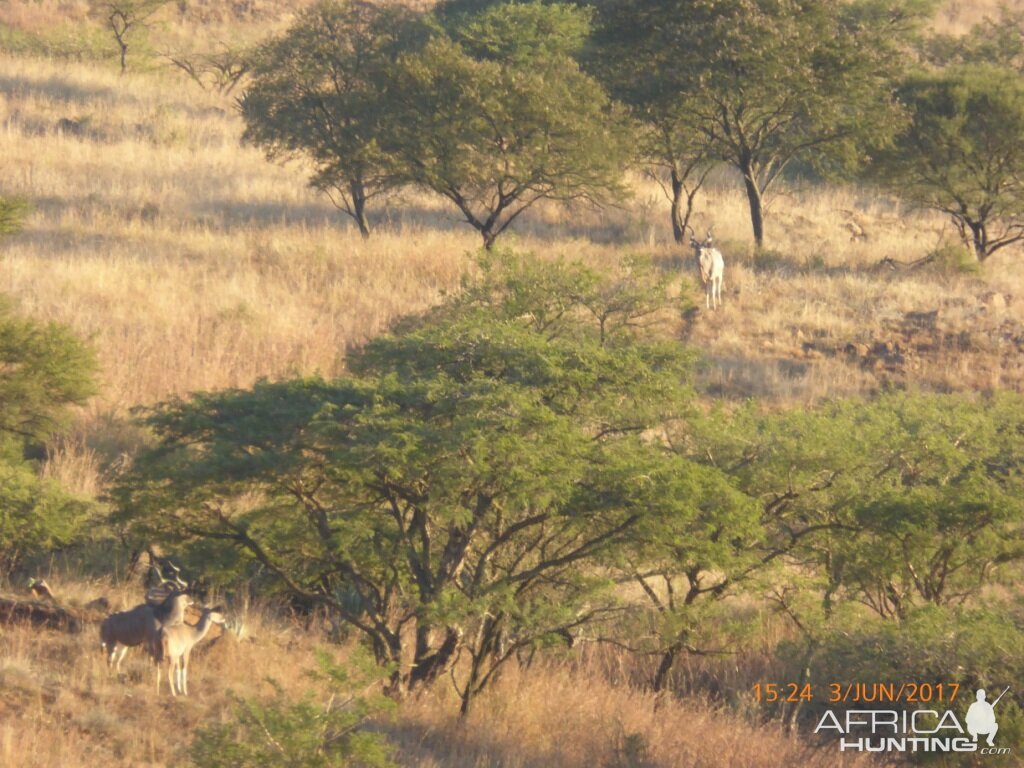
(60, 707)
(192, 263)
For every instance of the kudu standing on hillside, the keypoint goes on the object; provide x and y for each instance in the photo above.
(175, 644)
(165, 606)
(712, 269)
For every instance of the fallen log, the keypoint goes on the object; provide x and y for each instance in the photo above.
(894, 265)
(42, 614)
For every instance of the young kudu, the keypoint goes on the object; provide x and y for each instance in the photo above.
(176, 644)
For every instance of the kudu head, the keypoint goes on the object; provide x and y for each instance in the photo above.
(702, 253)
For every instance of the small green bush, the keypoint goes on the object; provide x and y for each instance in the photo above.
(284, 733)
(972, 648)
(43, 370)
(954, 259)
(12, 215)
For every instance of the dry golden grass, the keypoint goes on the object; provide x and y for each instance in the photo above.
(195, 264)
(191, 264)
(567, 715)
(62, 707)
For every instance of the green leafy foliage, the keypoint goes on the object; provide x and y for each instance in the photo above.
(12, 215)
(979, 647)
(700, 548)
(498, 115)
(321, 90)
(954, 259)
(960, 153)
(283, 733)
(765, 82)
(998, 41)
(43, 370)
(630, 54)
(36, 516)
(900, 502)
(463, 481)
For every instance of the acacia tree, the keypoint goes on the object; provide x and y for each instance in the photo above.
(321, 91)
(687, 561)
(905, 501)
(455, 493)
(636, 67)
(43, 370)
(498, 115)
(960, 155)
(767, 82)
(997, 41)
(221, 69)
(126, 19)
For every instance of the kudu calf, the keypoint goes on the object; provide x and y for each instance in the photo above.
(175, 644)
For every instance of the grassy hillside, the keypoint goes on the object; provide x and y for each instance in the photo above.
(61, 707)
(191, 263)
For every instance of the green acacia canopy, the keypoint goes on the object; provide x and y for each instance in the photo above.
(906, 500)
(456, 492)
(757, 84)
(497, 115)
(44, 369)
(320, 91)
(961, 153)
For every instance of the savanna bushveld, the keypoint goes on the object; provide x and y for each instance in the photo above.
(361, 390)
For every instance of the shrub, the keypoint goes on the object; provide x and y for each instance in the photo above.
(12, 215)
(970, 647)
(304, 733)
(43, 370)
(954, 259)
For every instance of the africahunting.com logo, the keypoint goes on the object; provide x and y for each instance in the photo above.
(917, 730)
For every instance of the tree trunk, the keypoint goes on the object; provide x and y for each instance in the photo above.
(364, 226)
(124, 54)
(489, 237)
(979, 240)
(467, 699)
(387, 649)
(756, 203)
(678, 222)
(485, 649)
(668, 659)
(430, 664)
(359, 209)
